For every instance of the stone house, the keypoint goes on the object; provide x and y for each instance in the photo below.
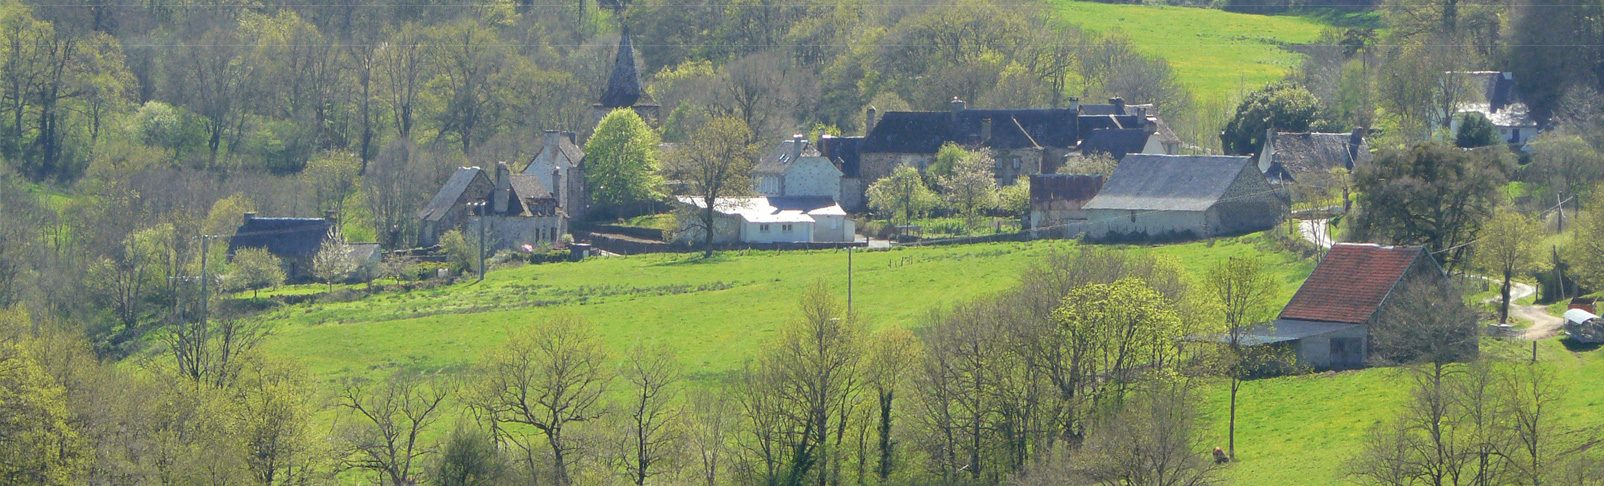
(560, 165)
(1327, 323)
(1057, 199)
(843, 152)
(1023, 141)
(449, 209)
(296, 242)
(795, 168)
(1495, 96)
(517, 209)
(1175, 197)
(1286, 156)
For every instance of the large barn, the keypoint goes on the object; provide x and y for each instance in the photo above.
(1178, 197)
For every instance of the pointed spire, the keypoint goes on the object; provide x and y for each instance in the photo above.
(623, 86)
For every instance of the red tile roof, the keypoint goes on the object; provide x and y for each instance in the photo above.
(1350, 283)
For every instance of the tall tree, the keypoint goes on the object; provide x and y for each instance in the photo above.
(892, 356)
(1282, 106)
(390, 419)
(972, 185)
(621, 162)
(903, 193)
(713, 165)
(550, 377)
(1508, 246)
(651, 430)
(1243, 291)
(1430, 194)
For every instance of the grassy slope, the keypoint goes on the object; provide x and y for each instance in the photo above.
(1217, 54)
(715, 314)
(1301, 430)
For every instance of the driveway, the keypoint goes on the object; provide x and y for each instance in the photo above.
(1544, 325)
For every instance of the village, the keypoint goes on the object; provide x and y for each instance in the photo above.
(638, 242)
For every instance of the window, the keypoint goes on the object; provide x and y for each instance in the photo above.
(786, 228)
(763, 227)
(1015, 160)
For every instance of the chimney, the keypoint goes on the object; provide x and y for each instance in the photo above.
(868, 120)
(1074, 104)
(957, 105)
(1355, 139)
(549, 138)
(502, 191)
(796, 147)
(250, 215)
(556, 186)
(985, 129)
(329, 215)
(1119, 105)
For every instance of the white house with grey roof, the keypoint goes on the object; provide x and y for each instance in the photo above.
(1177, 197)
(779, 219)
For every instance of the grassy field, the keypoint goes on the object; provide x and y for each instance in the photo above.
(715, 314)
(1218, 54)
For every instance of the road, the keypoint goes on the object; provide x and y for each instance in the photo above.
(1543, 324)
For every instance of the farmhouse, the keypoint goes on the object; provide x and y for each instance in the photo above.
(1493, 94)
(1173, 197)
(762, 219)
(1057, 199)
(843, 152)
(560, 165)
(795, 168)
(295, 241)
(1289, 158)
(517, 209)
(1328, 320)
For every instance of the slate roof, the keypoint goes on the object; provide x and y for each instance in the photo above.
(449, 193)
(528, 186)
(843, 152)
(1169, 182)
(777, 159)
(1496, 88)
(283, 237)
(1294, 153)
(1351, 282)
(559, 150)
(1064, 187)
(924, 132)
(1284, 330)
(623, 85)
(1114, 142)
(1088, 123)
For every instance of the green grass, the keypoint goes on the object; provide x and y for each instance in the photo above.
(52, 197)
(1217, 54)
(714, 314)
(1303, 429)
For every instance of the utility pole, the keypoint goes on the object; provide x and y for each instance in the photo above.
(480, 205)
(204, 297)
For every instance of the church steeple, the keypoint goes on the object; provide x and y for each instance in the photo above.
(623, 86)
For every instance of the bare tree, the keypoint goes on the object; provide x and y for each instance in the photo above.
(651, 431)
(550, 377)
(1152, 440)
(1242, 290)
(708, 428)
(714, 164)
(212, 351)
(1427, 322)
(389, 421)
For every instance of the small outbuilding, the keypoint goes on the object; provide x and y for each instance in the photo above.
(1056, 199)
(1178, 197)
(1328, 320)
(1584, 326)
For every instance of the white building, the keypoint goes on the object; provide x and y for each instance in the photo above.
(794, 168)
(764, 219)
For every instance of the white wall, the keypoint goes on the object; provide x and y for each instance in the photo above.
(812, 176)
(776, 232)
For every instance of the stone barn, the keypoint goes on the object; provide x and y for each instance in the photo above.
(1328, 320)
(295, 241)
(1174, 197)
(1056, 199)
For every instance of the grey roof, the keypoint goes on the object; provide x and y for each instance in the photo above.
(362, 252)
(283, 237)
(449, 193)
(1295, 153)
(623, 86)
(843, 151)
(1283, 330)
(1496, 88)
(1115, 142)
(1170, 182)
(924, 132)
(559, 150)
(1064, 187)
(779, 158)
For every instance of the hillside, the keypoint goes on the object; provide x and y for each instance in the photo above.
(1217, 54)
(715, 314)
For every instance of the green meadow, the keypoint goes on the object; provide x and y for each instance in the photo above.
(1219, 55)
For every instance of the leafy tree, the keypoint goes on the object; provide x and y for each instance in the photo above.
(972, 185)
(621, 162)
(1475, 130)
(1567, 163)
(948, 157)
(1430, 194)
(903, 193)
(713, 165)
(40, 446)
(469, 457)
(893, 353)
(254, 269)
(1508, 246)
(1282, 106)
(332, 176)
(1014, 199)
(1242, 290)
(1585, 251)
